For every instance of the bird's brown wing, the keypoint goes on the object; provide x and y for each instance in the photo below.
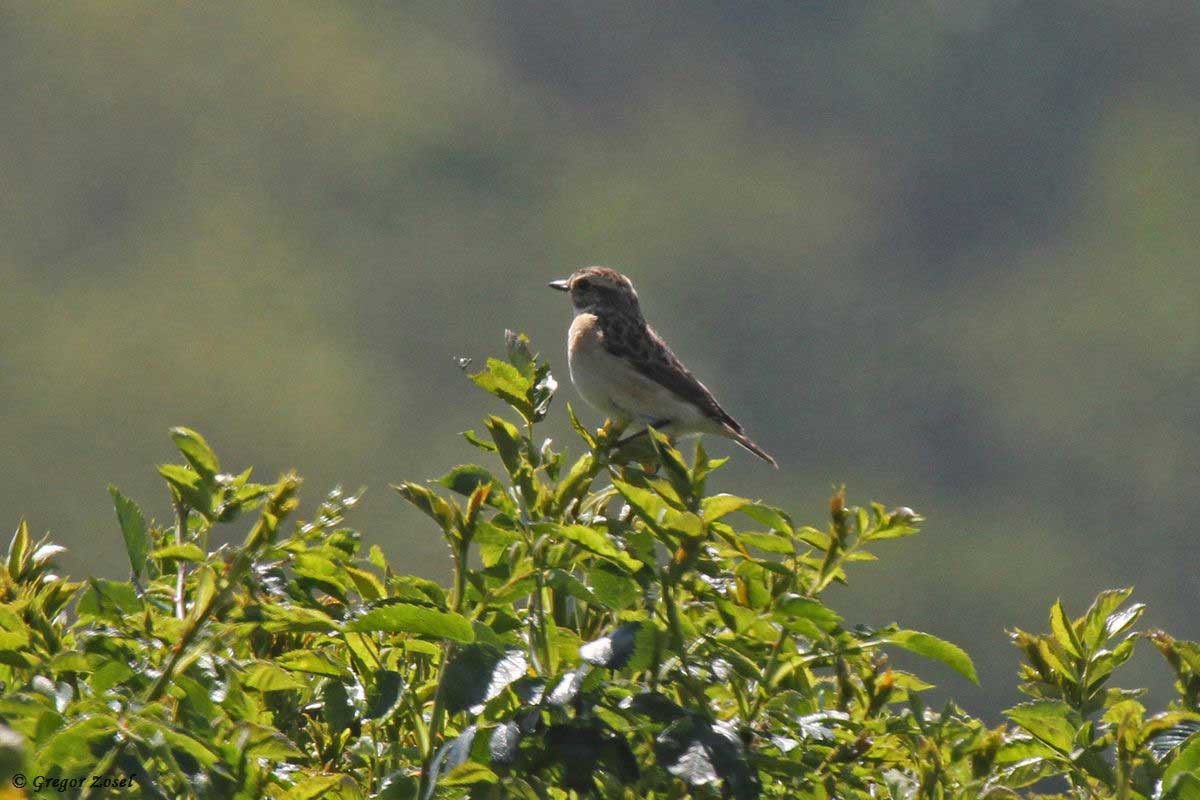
(644, 350)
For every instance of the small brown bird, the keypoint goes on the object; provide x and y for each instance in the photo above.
(625, 370)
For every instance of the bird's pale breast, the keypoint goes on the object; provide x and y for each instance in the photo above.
(615, 387)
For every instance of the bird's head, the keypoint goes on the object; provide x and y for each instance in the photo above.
(599, 290)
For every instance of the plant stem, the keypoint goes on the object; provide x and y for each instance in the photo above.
(437, 717)
(181, 515)
(680, 643)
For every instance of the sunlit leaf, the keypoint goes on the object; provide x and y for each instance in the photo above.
(931, 646)
(314, 662)
(133, 530)
(179, 552)
(767, 542)
(1063, 630)
(1185, 762)
(267, 677)
(794, 605)
(444, 512)
(1097, 615)
(506, 382)
(190, 486)
(408, 618)
(767, 515)
(196, 451)
(1051, 721)
(590, 539)
(717, 506)
(644, 502)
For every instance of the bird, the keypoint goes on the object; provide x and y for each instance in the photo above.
(625, 370)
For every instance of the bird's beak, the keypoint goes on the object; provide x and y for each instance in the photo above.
(563, 285)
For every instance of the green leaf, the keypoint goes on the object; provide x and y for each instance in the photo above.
(109, 598)
(930, 646)
(466, 478)
(893, 525)
(1186, 760)
(267, 677)
(793, 605)
(190, 487)
(589, 539)
(289, 619)
(1103, 662)
(645, 503)
(311, 661)
(482, 444)
(718, 505)
(76, 739)
(1063, 630)
(520, 353)
(180, 742)
(768, 515)
(1097, 615)
(110, 674)
(367, 583)
(445, 513)
(673, 465)
(1118, 622)
(18, 550)
(583, 432)
(205, 592)
(898, 531)
(312, 785)
(179, 552)
(13, 632)
(767, 542)
(703, 466)
(408, 618)
(133, 529)
(508, 442)
(493, 542)
(270, 744)
(196, 451)
(612, 586)
(565, 583)
(576, 481)
(1051, 721)
(506, 382)
(1184, 786)
(683, 523)
(468, 773)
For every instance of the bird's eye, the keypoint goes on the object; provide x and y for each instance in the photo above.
(583, 284)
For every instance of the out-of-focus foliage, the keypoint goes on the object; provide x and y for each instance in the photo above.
(613, 629)
(956, 236)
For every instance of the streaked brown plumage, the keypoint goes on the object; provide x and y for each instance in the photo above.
(624, 368)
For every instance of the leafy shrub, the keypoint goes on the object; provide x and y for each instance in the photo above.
(612, 630)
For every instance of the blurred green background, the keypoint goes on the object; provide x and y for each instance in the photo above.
(944, 252)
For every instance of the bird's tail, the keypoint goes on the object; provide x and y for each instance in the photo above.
(748, 443)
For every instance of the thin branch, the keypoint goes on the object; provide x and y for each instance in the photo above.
(181, 515)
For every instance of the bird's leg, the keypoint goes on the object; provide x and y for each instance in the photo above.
(657, 424)
(638, 447)
(633, 437)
